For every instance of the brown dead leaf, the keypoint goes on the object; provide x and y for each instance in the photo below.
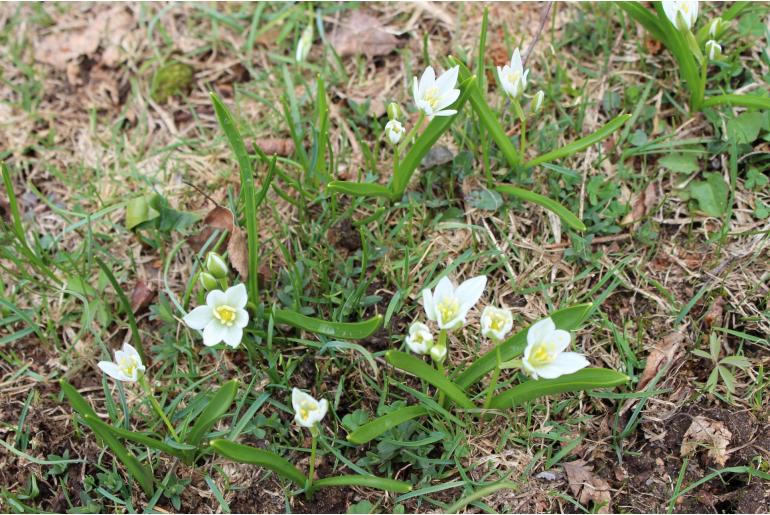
(141, 296)
(283, 147)
(660, 355)
(362, 33)
(710, 434)
(220, 218)
(715, 313)
(653, 45)
(582, 480)
(641, 204)
(238, 251)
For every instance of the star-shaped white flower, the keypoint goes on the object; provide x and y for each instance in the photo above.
(687, 8)
(222, 318)
(496, 322)
(513, 76)
(419, 339)
(432, 96)
(544, 355)
(127, 366)
(307, 411)
(448, 305)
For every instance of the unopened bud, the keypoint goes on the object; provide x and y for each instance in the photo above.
(216, 265)
(438, 353)
(537, 101)
(208, 281)
(394, 111)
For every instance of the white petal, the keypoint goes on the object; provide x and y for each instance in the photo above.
(236, 296)
(303, 423)
(455, 323)
(516, 61)
(296, 397)
(428, 305)
(216, 298)
(415, 90)
(112, 370)
(446, 82)
(561, 339)
(232, 335)
(470, 292)
(427, 80)
(418, 327)
(241, 318)
(199, 317)
(540, 330)
(669, 8)
(323, 407)
(565, 363)
(213, 333)
(448, 99)
(445, 112)
(444, 289)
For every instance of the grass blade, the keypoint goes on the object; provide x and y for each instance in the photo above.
(420, 369)
(738, 100)
(133, 436)
(135, 337)
(359, 189)
(215, 409)
(246, 454)
(582, 143)
(227, 123)
(551, 205)
(585, 379)
(381, 425)
(568, 319)
(479, 494)
(344, 330)
(380, 483)
(77, 401)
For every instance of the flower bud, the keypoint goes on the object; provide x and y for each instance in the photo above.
(208, 281)
(394, 131)
(713, 49)
(304, 44)
(438, 353)
(714, 26)
(216, 265)
(394, 111)
(537, 101)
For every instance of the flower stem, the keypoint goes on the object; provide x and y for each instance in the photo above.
(442, 341)
(311, 471)
(400, 149)
(523, 120)
(493, 382)
(157, 407)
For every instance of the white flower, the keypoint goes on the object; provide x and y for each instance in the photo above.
(448, 305)
(394, 131)
(496, 322)
(432, 95)
(713, 48)
(714, 26)
(687, 8)
(304, 44)
(544, 355)
(308, 411)
(419, 339)
(222, 318)
(127, 365)
(513, 77)
(537, 102)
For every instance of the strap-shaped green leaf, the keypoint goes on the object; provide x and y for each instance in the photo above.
(214, 410)
(427, 139)
(359, 189)
(246, 454)
(77, 401)
(738, 100)
(643, 16)
(488, 118)
(585, 379)
(568, 319)
(380, 425)
(380, 483)
(541, 200)
(343, 330)
(582, 143)
(420, 369)
(136, 437)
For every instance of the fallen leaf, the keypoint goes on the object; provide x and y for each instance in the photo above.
(653, 45)
(141, 296)
(709, 434)
(660, 355)
(283, 147)
(238, 251)
(641, 204)
(583, 481)
(362, 33)
(220, 218)
(715, 313)
(436, 156)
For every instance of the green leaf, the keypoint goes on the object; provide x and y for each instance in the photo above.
(214, 410)
(745, 127)
(576, 146)
(389, 485)
(359, 189)
(585, 379)
(136, 437)
(711, 194)
(567, 319)
(136, 338)
(381, 425)
(265, 459)
(727, 377)
(644, 17)
(139, 211)
(427, 139)
(737, 361)
(680, 163)
(77, 401)
(487, 117)
(248, 191)
(343, 330)
(486, 199)
(738, 100)
(551, 205)
(420, 369)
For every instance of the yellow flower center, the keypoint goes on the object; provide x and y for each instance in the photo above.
(225, 314)
(305, 407)
(541, 355)
(448, 309)
(513, 77)
(432, 97)
(128, 365)
(496, 321)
